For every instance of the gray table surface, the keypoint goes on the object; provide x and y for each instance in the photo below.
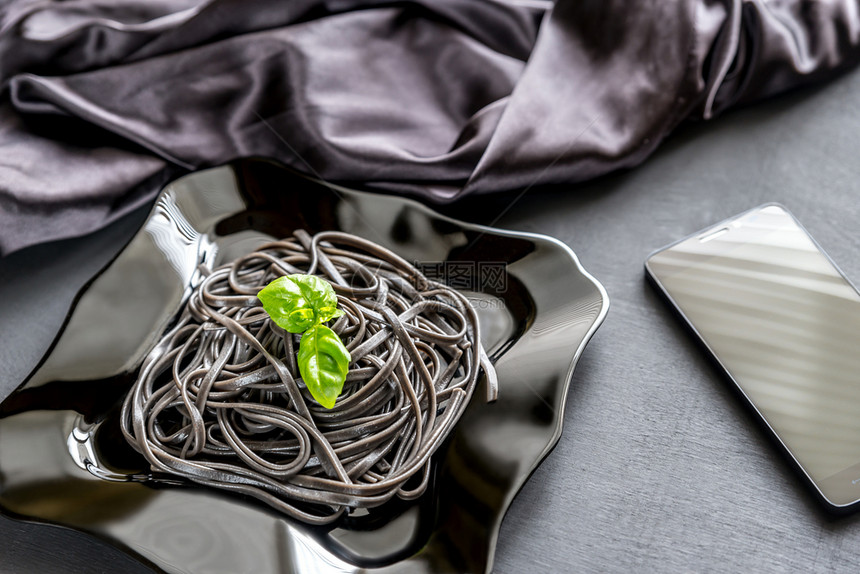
(659, 468)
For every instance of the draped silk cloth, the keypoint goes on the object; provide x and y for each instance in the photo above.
(104, 101)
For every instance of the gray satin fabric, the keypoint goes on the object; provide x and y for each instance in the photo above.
(103, 102)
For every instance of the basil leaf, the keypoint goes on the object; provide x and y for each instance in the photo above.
(297, 302)
(323, 364)
(329, 313)
(301, 303)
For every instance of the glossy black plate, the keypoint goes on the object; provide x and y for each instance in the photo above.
(63, 460)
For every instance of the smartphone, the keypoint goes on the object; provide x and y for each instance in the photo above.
(784, 323)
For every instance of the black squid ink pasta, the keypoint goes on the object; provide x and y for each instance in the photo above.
(220, 402)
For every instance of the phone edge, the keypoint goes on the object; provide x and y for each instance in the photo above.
(829, 505)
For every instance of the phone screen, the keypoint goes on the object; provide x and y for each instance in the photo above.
(785, 324)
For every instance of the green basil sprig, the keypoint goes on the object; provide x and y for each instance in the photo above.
(301, 304)
(298, 302)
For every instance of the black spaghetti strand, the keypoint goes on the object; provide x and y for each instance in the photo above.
(220, 402)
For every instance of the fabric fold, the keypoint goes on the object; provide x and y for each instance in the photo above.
(432, 99)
